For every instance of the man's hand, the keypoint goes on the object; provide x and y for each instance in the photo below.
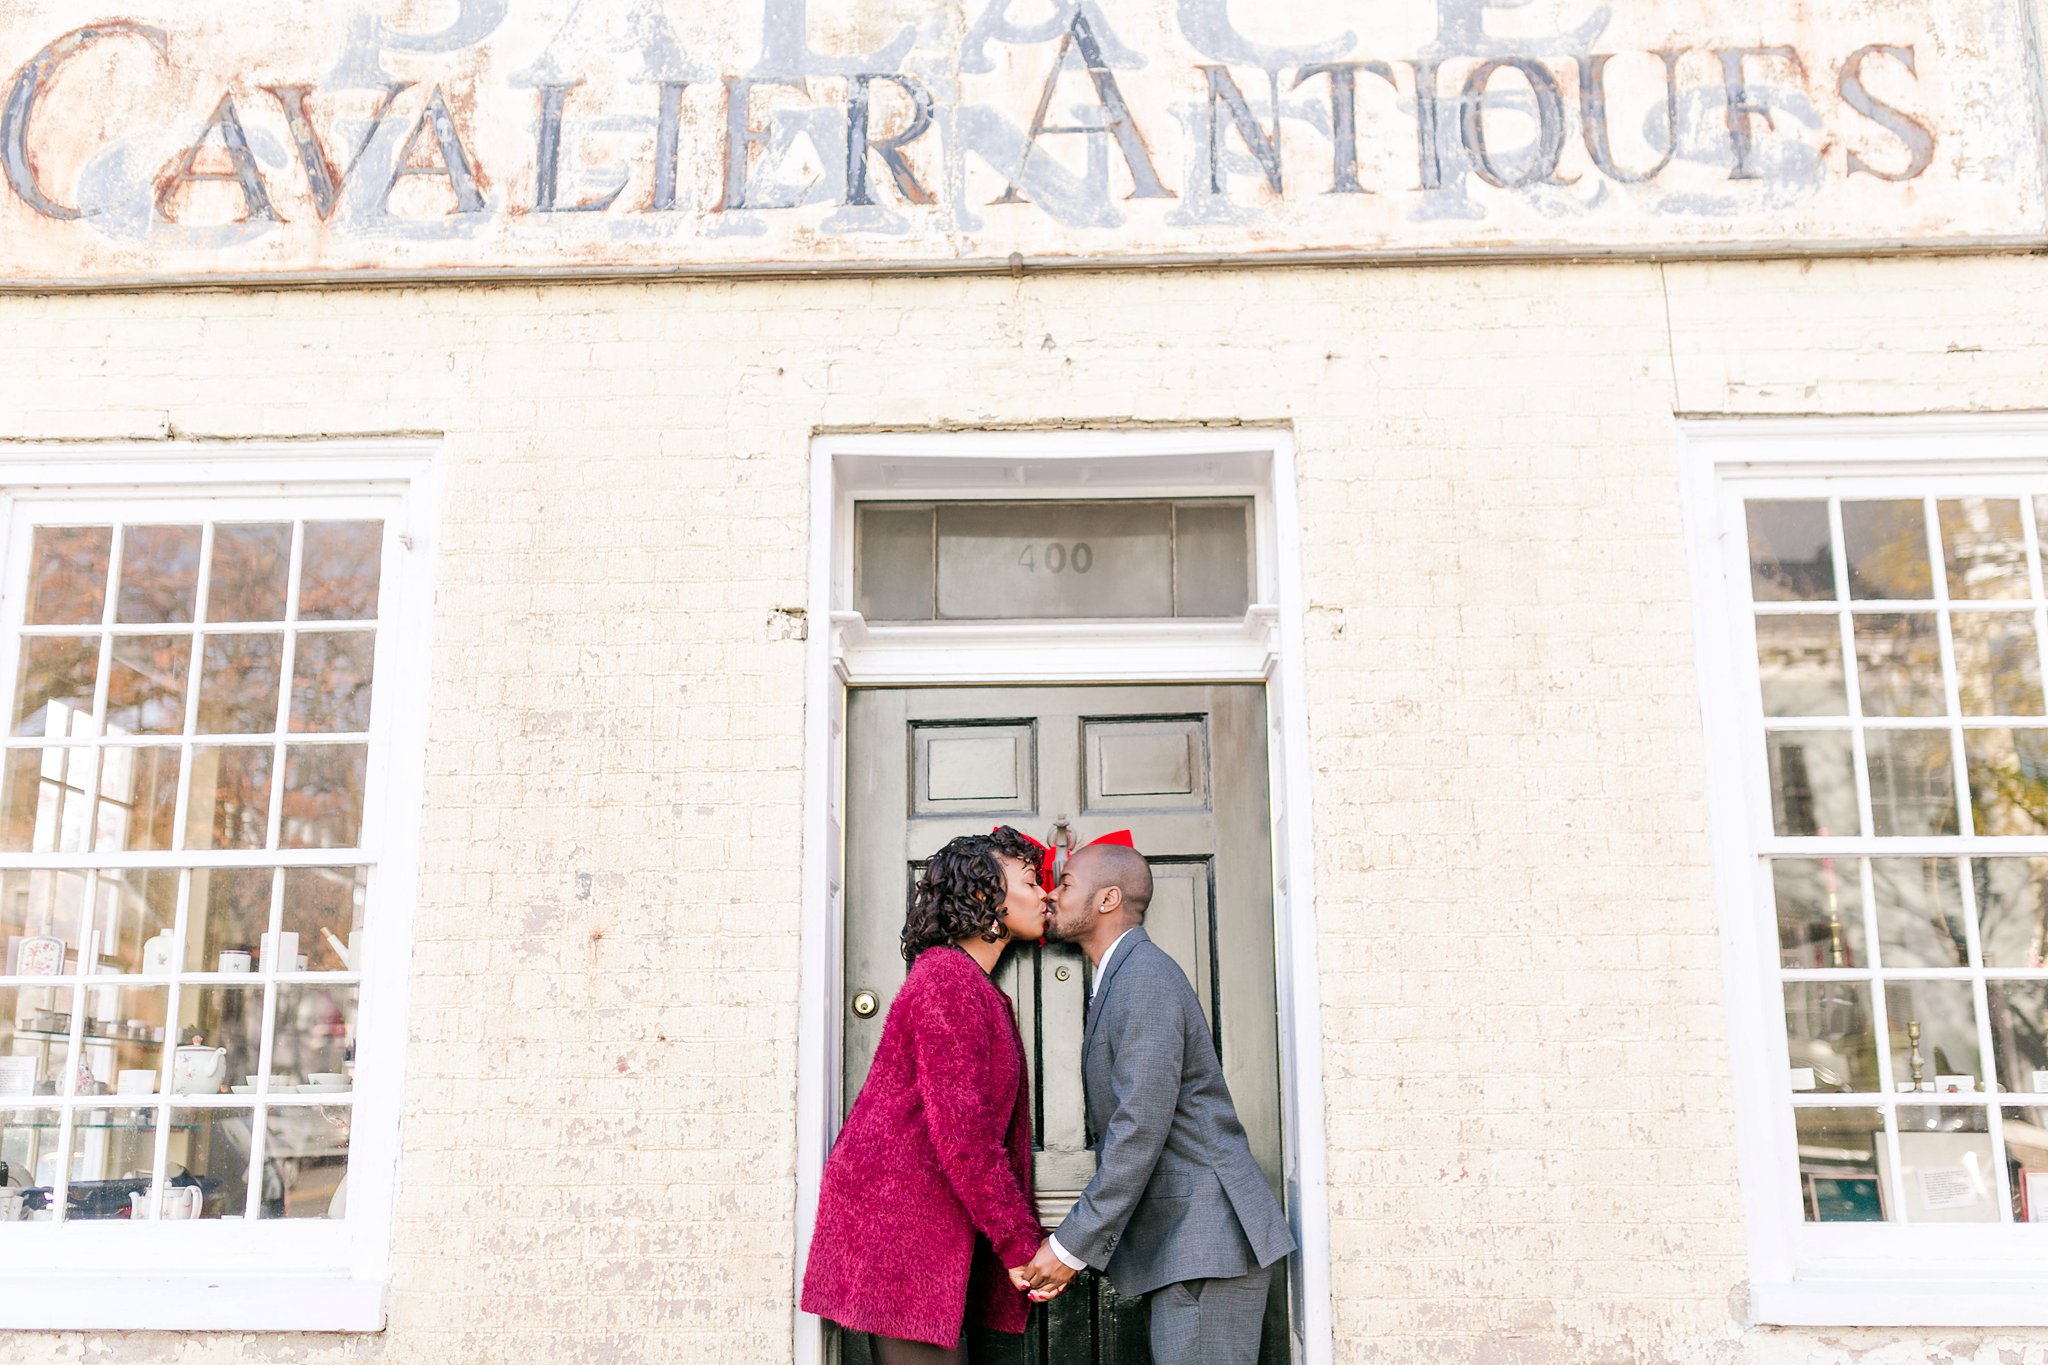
(1045, 1278)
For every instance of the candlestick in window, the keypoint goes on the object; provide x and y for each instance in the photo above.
(1913, 1058)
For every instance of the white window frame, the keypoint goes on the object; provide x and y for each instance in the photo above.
(1265, 646)
(238, 1274)
(1835, 1274)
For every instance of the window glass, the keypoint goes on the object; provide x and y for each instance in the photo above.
(1791, 551)
(159, 573)
(1800, 661)
(251, 568)
(192, 706)
(1133, 559)
(67, 576)
(1909, 938)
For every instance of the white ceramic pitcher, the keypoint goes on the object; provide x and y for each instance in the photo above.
(180, 1202)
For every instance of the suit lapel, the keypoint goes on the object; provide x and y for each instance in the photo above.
(1117, 960)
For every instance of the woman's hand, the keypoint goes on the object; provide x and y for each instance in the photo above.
(1020, 1276)
(1046, 1278)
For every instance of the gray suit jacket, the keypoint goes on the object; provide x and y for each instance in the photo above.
(1176, 1194)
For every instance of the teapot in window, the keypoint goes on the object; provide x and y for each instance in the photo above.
(198, 1070)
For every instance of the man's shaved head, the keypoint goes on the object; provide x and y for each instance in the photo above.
(1101, 865)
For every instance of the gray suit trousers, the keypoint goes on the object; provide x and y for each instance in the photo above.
(1209, 1322)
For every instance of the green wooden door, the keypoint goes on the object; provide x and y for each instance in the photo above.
(1183, 768)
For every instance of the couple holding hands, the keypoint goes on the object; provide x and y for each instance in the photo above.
(926, 1223)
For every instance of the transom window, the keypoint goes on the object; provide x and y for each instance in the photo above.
(1113, 559)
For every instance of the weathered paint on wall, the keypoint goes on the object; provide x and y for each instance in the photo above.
(541, 136)
(1525, 1038)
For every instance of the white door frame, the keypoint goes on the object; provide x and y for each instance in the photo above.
(1265, 647)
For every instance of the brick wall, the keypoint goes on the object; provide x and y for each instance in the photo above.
(1530, 1141)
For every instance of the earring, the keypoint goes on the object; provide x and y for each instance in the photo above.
(996, 932)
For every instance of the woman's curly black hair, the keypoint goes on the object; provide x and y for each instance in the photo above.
(961, 890)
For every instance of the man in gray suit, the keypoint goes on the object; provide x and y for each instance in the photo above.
(1177, 1209)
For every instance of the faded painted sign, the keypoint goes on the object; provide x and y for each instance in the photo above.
(420, 137)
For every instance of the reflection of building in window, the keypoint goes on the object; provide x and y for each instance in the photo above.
(1797, 789)
(62, 779)
(1911, 790)
(1986, 547)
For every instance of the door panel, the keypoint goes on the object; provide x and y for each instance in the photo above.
(1182, 767)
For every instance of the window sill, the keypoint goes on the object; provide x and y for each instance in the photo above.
(1899, 1303)
(190, 1303)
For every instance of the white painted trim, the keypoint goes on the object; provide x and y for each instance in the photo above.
(1299, 982)
(251, 1303)
(1959, 1275)
(1736, 439)
(310, 1275)
(1265, 647)
(818, 976)
(1937, 445)
(49, 468)
(1057, 651)
(1994, 1301)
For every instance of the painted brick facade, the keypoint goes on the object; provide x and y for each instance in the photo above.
(1530, 1140)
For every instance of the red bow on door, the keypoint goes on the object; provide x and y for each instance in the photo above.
(1053, 857)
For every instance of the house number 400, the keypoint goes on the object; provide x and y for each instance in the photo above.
(1058, 558)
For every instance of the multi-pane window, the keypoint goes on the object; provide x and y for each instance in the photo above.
(188, 877)
(1899, 790)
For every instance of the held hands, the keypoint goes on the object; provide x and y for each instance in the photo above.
(1046, 1278)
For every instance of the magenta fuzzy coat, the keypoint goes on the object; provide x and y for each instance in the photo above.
(927, 1194)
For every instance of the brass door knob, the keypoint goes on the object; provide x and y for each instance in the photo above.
(1061, 972)
(865, 1004)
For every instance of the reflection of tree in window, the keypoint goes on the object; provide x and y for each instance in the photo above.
(2008, 780)
(146, 684)
(67, 583)
(2012, 910)
(234, 780)
(238, 683)
(323, 795)
(1940, 901)
(2037, 953)
(2019, 1031)
(159, 574)
(54, 685)
(331, 677)
(1886, 547)
(339, 570)
(250, 568)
